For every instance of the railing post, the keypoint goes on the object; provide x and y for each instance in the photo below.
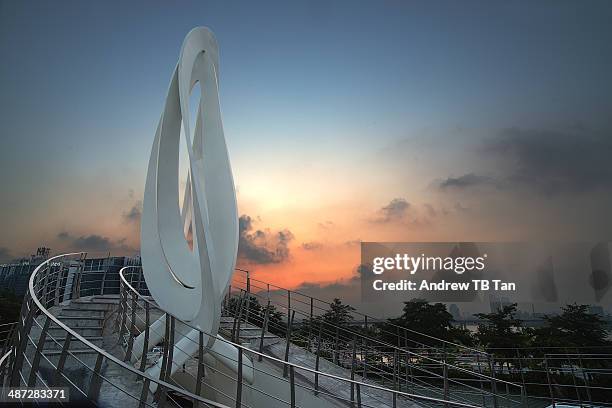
(39, 348)
(550, 388)
(318, 356)
(239, 380)
(237, 318)
(569, 361)
(200, 374)
(128, 352)
(310, 323)
(62, 359)
(263, 329)
(290, 317)
(585, 377)
(292, 385)
(445, 372)
(354, 357)
(58, 283)
(523, 389)
(484, 398)
(248, 299)
(170, 350)
(96, 380)
(493, 381)
(145, 344)
(445, 382)
(144, 393)
(123, 309)
(25, 323)
(395, 369)
(364, 355)
(162, 371)
(288, 301)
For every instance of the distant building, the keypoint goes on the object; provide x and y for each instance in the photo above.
(102, 273)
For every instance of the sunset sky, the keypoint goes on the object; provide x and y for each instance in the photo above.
(345, 122)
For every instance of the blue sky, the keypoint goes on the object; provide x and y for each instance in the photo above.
(490, 120)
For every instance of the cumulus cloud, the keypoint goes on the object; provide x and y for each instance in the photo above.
(262, 246)
(394, 211)
(93, 243)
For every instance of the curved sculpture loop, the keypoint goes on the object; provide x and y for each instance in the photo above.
(190, 283)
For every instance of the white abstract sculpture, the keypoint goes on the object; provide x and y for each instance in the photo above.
(190, 283)
(187, 283)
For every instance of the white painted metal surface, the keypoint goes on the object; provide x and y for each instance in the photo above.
(190, 283)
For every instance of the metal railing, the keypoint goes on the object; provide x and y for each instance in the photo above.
(136, 308)
(312, 358)
(41, 355)
(449, 368)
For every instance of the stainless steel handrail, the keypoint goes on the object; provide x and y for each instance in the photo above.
(290, 364)
(375, 319)
(98, 350)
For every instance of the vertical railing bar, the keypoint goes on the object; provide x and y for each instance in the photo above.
(145, 344)
(144, 393)
(445, 371)
(123, 300)
(484, 399)
(550, 388)
(239, 380)
(39, 347)
(58, 281)
(263, 330)
(290, 317)
(493, 380)
(162, 371)
(96, 379)
(20, 350)
(62, 359)
(569, 361)
(585, 377)
(200, 373)
(170, 350)
(128, 352)
(292, 385)
(354, 357)
(318, 356)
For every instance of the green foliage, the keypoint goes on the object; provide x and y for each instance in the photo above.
(501, 331)
(574, 327)
(338, 314)
(256, 314)
(431, 319)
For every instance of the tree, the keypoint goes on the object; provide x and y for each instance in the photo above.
(574, 327)
(501, 332)
(431, 319)
(338, 314)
